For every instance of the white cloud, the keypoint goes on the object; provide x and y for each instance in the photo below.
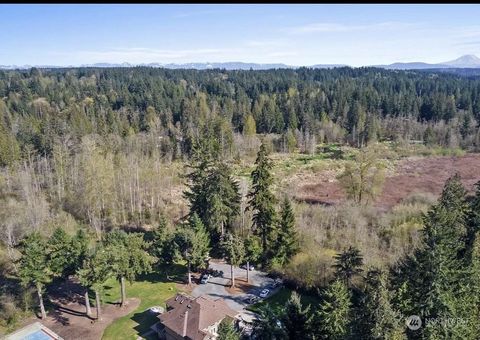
(336, 27)
(142, 55)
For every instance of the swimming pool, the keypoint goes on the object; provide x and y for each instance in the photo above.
(38, 335)
(35, 331)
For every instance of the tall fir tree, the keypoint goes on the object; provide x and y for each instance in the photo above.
(296, 319)
(434, 281)
(212, 192)
(128, 257)
(268, 325)
(223, 199)
(59, 249)
(192, 243)
(287, 243)
(348, 264)
(234, 252)
(253, 251)
(377, 318)
(33, 266)
(262, 201)
(332, 319)
(79, 250)
(93, 273)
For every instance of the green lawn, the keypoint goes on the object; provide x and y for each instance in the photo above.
(279, 300)
(152, 290)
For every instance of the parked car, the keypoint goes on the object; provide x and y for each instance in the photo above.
(250, 267)
(251, 299)
(205, 278)
(264, 293)
(275, 284)
(218, 273)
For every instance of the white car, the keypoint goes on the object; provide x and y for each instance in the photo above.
(205, 278)
(264, 293)
(250, 267)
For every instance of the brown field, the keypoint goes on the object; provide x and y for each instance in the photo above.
(412, 175)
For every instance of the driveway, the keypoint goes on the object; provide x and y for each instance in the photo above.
(216, 286)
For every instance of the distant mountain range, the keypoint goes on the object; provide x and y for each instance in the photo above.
(466, 61)
(197, 66)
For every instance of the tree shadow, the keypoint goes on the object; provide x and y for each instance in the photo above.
(144, 321)
(227, 284)
(165, 273)
(236, 298)
(58, 317)
(66, 291)
(106, 292)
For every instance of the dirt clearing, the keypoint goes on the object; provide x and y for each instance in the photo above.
(412, 176)
(68, 318)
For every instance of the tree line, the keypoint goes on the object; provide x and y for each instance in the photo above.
(304, 106)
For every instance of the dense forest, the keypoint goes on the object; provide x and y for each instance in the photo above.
(117, 172)
(40, 106)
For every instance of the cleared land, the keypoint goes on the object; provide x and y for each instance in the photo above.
(412, 176)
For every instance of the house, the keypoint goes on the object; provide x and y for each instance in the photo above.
(188, 318)
(34, 331)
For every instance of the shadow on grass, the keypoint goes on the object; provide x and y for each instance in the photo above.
(144, 321)
(166, 273)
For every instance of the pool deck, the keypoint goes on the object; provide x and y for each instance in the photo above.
(34, 331)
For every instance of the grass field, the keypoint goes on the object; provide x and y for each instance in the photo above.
(152, 290)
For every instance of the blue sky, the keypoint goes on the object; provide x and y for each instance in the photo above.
(293, 34)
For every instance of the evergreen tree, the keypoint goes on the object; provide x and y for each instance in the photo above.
(378, 319)
(474, 296)
(160, 239)
(262, 201)
(212, 192)
(79, 250)
(334, 314)
(233, 251)
(473, 226)
(9, 148)
(267, 326)
(33, 266)
(192, 243)
(223, 198)
(253, 251)
(227, 331)
(197, 193)
(296, 319)
(59, 249)
(128, 257)
(348, 264)
(435, 278)
(95, 270)
(287, 238)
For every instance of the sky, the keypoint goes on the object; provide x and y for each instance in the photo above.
(308, 34)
